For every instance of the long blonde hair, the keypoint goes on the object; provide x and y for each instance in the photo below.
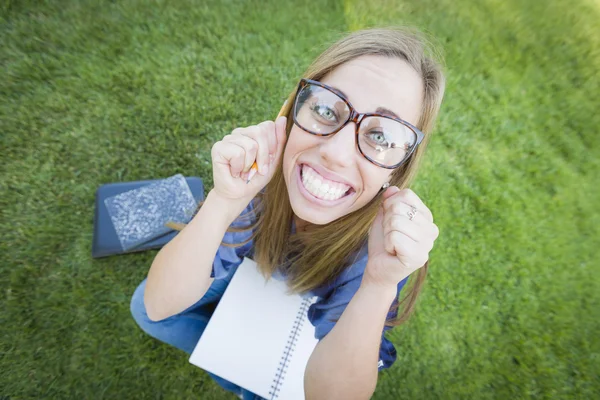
(317, 256)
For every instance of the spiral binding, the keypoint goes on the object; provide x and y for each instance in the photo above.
(289, 348)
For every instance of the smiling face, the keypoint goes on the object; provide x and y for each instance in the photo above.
(317, 170)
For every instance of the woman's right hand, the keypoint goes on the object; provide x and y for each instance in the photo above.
(233, 156)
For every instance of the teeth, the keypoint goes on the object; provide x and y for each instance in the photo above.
(321, 187)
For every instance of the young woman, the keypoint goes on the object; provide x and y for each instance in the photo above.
(329, 210)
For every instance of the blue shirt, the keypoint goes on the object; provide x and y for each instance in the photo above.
(332, 298)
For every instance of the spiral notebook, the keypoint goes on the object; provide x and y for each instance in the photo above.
(259, 337)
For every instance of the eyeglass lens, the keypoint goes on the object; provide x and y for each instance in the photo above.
(321, 111)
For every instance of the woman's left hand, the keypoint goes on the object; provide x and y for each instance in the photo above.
(399, 245)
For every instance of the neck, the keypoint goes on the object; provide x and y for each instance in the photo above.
(301, 225)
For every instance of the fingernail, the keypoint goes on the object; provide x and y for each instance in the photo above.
(264, 168)
(271, 158)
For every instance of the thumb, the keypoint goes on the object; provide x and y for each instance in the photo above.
(389, 192)
(376, 235)
(280, 125)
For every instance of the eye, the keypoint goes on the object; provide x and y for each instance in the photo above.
(324, 112)
(379, 139)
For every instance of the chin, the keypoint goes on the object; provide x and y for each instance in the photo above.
(316, 218)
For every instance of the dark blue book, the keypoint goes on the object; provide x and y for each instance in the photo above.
(131, 216)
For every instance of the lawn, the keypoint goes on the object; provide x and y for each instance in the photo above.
(95, 92)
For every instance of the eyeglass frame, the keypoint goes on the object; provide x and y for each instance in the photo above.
(357, 118)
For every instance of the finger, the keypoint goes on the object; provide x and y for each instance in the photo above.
(398, 205)
(257, 133)
(410, 255)
(249, 145)
(436, 231)
(414, 200)
(280, 128)
(266, 129)
(401, 209)
(404, 225)
(409, 197)
(272, 140)
(400, 244)
(389, 192)
(424, 233)
(229, 154)
(376, 232)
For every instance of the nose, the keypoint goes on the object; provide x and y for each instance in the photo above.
(339, 149)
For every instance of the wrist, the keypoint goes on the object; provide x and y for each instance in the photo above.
(387, 290)
(232, 208)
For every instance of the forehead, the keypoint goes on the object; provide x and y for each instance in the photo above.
(373, 81)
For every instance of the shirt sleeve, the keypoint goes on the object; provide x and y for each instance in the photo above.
(332, 306)
(231, 257)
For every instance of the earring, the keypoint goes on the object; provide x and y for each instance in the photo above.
(385, 185)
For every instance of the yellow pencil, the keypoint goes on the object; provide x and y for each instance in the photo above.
(252, 172)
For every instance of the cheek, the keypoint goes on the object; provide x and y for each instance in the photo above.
(373, 178)
(297, 142)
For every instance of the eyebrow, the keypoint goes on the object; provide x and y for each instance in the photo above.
(387, 111)
(380, 110)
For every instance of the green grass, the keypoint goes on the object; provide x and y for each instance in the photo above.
(95, 92)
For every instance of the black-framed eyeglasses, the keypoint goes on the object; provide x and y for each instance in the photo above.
(382, 139)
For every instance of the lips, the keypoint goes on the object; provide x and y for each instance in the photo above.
(328, 175)
(315, 200)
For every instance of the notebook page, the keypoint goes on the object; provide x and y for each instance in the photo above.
(293, 383)
(249, 330)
